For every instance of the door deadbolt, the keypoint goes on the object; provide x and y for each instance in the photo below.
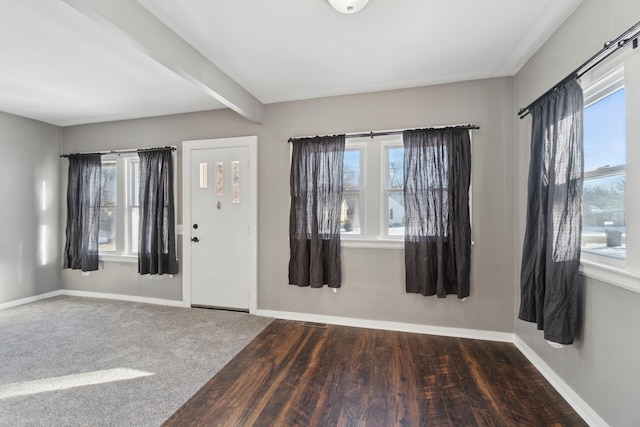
(195, 226)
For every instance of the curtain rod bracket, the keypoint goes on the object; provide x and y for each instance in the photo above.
(610, 47)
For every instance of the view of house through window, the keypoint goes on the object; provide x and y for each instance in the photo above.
(133, 205)
(373, 188)
(603, 202)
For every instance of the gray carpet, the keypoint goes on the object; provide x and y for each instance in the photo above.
(176, 350)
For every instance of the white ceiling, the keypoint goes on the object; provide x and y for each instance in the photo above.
(65, 66)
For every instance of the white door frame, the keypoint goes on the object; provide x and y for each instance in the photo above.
(251, 142)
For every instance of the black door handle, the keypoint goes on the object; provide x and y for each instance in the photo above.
(195, 239)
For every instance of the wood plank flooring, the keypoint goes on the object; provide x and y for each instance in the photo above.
(292, 375)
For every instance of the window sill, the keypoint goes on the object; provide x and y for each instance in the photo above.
(612, 275)
(118, 258)
(372, 243)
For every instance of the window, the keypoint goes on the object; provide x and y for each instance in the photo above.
(352, 192)
(394, 163)
(603, 202)
(373, 203)
(119, 208)
(108, 207)
(615, 258)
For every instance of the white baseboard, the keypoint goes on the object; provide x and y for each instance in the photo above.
(390, 326)
(28, 300)
(87, 294)
(590, 416)
(120, 297)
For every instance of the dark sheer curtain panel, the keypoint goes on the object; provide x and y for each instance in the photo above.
(551, 250)
(83, 212)
(314, 220)
(437, 175)
(157, 244)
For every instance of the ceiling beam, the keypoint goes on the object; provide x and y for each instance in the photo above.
(152, 37)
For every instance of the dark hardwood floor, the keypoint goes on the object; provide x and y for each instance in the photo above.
(292, 375)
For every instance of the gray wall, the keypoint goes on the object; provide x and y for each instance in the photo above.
(123, 278)
(602, 365)
(29, 248)
(373, 278)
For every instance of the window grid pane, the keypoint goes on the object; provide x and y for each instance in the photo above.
(395, 213)
(603, 199)
(133, 211)
(395, 191)
(133, 236)
(108, 205)
(352, 187)
(395, 168)
(107, 230)
(350, 213)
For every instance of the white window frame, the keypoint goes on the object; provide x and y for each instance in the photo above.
(124, 189)
(373, 203)
(624, 273)
(593, 93)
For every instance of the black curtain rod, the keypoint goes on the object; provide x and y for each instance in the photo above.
(394, 132)
(609, 49)
(121, 151)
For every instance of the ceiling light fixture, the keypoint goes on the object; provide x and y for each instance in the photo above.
(348, 6)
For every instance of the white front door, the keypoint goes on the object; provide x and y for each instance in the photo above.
(220, 221)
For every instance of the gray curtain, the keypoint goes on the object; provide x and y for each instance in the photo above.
(83, 212)
(314, 219)
(551, 252)
(437, 175)
(157, 240)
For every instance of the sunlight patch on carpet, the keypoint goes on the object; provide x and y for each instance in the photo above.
(69, 381)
